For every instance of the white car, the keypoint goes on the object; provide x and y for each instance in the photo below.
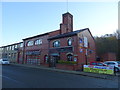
(4, 61)
(116, 64)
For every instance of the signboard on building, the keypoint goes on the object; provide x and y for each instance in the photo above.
(98, 69)
(33, 53)
(62, 49)
(85, 42)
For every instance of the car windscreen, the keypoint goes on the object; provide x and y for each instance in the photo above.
(118, 62)
(5, 60)
(100, 64)
(93, 63)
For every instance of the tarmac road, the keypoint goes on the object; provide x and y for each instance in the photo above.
(26, 77)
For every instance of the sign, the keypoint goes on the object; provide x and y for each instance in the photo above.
(81, 50)
(85, 42)
(80, 40)
(98, 69)
(33, 53)
(75, 59)
(80, 45)
(62, 49)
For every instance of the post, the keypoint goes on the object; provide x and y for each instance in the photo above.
(49, 53)
(86, 54)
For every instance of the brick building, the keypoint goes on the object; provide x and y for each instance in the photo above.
(11, 52)
(36, 49)
(108, 57)
(63, 44)
(62, 48)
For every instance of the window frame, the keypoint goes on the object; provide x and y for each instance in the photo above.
(38, 42)
(69, 56)
(56, 45)
(69, 39)
(30, 43)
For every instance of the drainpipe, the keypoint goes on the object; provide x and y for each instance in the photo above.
(86, 54)
(49, 52)
(23, 62)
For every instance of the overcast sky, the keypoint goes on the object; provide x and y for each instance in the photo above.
(25, 19)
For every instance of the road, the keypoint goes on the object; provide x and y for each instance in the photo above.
(24, 77)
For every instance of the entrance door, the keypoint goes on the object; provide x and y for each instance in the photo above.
(53, 61)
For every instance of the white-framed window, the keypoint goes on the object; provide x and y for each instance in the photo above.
(7, 48)
(69, 41)
(30, 43)
(15, 46)
(12, 47)
(38, 42)
(21, 44)
(56, 44)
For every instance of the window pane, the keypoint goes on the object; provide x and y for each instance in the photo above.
(69, 42)
(21, 45)
(56, 44)
(38, 42)
(30, 43)
(69, 57)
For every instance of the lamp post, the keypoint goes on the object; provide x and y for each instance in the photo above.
(86, 56)
(86, 49)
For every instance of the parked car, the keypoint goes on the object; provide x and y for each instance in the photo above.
(4, 61)
(97, 63)
(116, 65)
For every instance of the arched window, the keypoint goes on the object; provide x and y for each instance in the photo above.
(69, 57)
(30, 43)
(56, 44)
(69, 42)
(38, 42)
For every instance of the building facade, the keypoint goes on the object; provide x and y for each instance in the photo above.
(63, 44)
(110, 56)
(10, 52)
(72, 48)
(36, 49)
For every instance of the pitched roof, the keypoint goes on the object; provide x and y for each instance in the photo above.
(67, 34)
(11, 44)
(36, 36)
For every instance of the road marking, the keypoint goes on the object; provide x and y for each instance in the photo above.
(10, 78)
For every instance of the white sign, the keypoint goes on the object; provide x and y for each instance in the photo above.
(75, 59)
(85, 42)
(98, 69)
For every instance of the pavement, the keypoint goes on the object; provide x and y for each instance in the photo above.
(95, 75)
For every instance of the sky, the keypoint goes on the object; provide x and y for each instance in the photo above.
(25, 19)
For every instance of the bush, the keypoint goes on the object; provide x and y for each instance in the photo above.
(66, 62)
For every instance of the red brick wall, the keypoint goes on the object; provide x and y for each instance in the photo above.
(63, 43)
(43, 47)
(67, 23)
(91, 56)
(65, 67)
(54, 33)
(108, 57)
(76, 53)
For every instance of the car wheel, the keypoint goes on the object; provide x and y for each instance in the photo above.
(116, 69)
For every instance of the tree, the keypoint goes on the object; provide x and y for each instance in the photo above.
(118, 43)
(106, 43)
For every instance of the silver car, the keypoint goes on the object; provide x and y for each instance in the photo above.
(4, 61)
(116, 64)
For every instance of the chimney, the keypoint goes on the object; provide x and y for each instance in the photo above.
(67, 23)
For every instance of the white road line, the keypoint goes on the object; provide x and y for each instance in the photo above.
(9, 78)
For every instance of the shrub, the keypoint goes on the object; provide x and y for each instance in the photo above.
(66, 62)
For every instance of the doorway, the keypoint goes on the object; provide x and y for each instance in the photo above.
(54, 60)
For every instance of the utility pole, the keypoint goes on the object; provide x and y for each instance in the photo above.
(86, 56)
